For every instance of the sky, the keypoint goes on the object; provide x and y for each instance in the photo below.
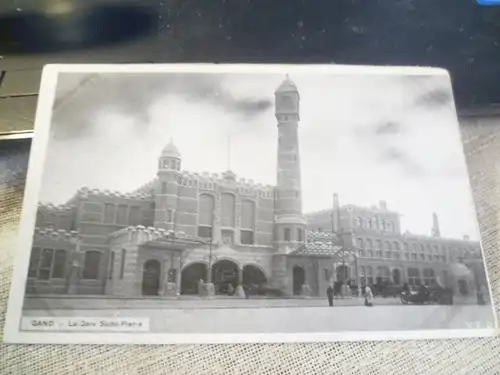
(367, 137)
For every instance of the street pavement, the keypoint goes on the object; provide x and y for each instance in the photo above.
(84, 303)
(306, 319)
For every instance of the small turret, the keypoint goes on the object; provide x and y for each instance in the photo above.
(170, 158)
(167, 187)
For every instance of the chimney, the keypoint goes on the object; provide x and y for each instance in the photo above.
(435, 232)
(335, 213)
(383, 205)
(466, 237)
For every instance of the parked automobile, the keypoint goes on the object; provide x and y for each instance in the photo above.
(421, 296)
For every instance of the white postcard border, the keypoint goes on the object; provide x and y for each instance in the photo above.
(12, 332)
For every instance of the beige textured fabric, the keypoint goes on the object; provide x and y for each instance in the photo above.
(474, 356)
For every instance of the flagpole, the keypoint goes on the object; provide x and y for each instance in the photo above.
(229, 151)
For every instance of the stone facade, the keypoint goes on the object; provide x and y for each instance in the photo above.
(204, 233)
(385, 253)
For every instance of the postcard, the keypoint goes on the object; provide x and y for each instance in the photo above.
(247, 203)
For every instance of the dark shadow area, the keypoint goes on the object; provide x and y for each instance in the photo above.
(96, 26)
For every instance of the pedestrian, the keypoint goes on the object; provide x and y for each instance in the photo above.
(329, 294)
(246, 291)
(230, 289)
(368, 297)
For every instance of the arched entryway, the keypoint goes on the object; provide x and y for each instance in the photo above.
(151, 277)
(191, 276)
(299, 278)
(224, 273)
(463, 288)
(396, 276)
(253, 276)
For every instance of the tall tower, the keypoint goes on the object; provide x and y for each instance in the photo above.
(166, 193)
(290, 224)
(435, 226)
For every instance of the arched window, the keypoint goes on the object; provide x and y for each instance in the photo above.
(299, 234)
(247, 222)
(228, 205)
(287, 234)
(205, 215)
(359, 243)
(388, 245)
(91, 265)
(396, 246)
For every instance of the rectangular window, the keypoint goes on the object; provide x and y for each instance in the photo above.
(379, 244)
(111, 265)
(170, 216)
(413, 277)
(164, 188)
(122, 266)
(121, 217)
(422, 256)
(109, 213)
(246, 237)
(34, 262)
(388, 254)
(59, 267)
(413, 256)
(134, 215)
(370, 253)
(204, 232)
(45, 264)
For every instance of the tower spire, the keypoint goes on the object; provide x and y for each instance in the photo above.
(435, 226)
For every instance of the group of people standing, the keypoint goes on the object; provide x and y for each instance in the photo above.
(367, 294)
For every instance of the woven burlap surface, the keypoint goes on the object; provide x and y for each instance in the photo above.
(466, 356)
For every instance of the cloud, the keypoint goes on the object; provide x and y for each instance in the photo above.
(387, 128)
(132, 95)
(405, 162)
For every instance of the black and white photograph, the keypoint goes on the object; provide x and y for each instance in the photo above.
(239, 203)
